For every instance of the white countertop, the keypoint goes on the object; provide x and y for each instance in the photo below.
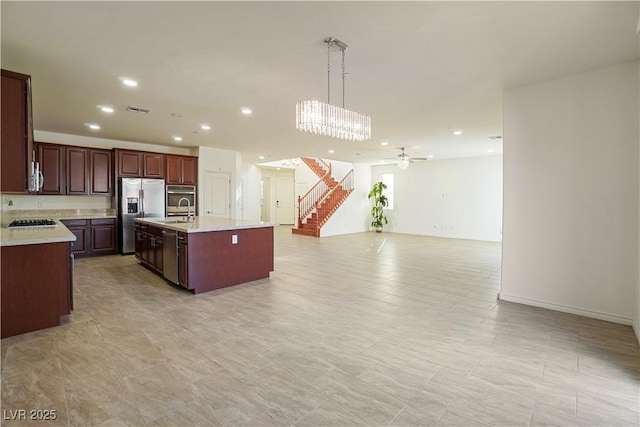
(203, 224)
(35, 235)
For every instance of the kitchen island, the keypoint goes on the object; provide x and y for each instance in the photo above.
(206, 253)
(36, 277)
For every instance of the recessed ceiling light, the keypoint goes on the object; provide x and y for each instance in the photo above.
(332, 151)
(105, 109)
(490, 151)
(128, 82)
(205, 127)
(93, 126)
(457, 132)
(246, 111)
(430, 156)
(384, 143)
(177, 138)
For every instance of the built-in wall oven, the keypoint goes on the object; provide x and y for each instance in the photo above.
(176, 193)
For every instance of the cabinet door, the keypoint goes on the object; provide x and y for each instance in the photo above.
(129, 163)
(190, 170)
(80, 229)
(16, 143)
(101, 175)
(51, 158)
(174, 170)
(183, 266)
(153, 165)
(139, 242)
(144, 248)
(77, 171)
(159, 250)
(103, 237)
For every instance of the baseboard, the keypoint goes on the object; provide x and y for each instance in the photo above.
(568, 309)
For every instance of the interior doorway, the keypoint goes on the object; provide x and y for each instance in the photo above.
(217, 192)
(285, 200)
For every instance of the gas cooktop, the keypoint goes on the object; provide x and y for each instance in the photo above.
(23, 223)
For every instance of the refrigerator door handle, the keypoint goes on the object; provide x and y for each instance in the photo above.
(141, 197)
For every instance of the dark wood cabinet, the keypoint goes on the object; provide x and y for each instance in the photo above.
(129, 163)
(139, 164)
(16, 145)
(80, 228)
(183, 260)
(182, 170)
(74, 170)
(140, 239)
(103, 236)
(153, 165)
(51, 158)
(150, 247)
(100, 172)
(35, 298)
(77, 176)
(93, 236)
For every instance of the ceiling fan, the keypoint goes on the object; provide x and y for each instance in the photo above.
(404, 159)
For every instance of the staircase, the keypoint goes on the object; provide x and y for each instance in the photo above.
(322, 200)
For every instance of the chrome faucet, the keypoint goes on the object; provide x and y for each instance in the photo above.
(190, 217)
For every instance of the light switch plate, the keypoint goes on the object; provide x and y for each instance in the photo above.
(234, 239)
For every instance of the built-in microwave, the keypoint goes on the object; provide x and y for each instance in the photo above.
(176, 193)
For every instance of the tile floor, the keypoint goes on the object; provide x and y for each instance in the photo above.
(363, 329)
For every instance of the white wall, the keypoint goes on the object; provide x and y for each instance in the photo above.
(251, 176)
(456, 198)
(571, 193)
(29, 202)
(636, 318)
(217, 160)
(353, 214)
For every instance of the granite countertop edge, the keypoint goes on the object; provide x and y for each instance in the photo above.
(200, 225)
(35, 235)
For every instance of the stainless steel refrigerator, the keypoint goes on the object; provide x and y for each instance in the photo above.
(138, 198)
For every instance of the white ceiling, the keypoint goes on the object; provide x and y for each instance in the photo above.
(419, 69)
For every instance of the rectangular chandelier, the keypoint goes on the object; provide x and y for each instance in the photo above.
(330, 120)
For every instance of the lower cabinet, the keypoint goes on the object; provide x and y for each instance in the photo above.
(183, 264)
(35, 298)
(150, 247)
(93, 236)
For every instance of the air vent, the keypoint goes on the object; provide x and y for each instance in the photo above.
(495, 137)
(140, 110)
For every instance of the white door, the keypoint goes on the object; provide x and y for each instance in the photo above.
(217, 190)
(285, 200)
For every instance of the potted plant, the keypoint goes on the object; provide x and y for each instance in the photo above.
(380, 202)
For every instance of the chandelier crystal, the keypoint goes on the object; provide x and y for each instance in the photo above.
(331, 120)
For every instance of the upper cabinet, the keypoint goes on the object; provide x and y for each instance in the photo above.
(182, 170)
(16, 145)
(100, 172)
(51, 158)
(153, 165)
(129, 163)
(139, 164)
(74, 170)
(77, 170)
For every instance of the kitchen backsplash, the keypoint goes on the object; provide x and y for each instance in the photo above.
(18, 202)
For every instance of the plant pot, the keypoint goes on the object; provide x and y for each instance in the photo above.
(378, 228)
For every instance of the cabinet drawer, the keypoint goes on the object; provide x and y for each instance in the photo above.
(105, 221)
(75, 222)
